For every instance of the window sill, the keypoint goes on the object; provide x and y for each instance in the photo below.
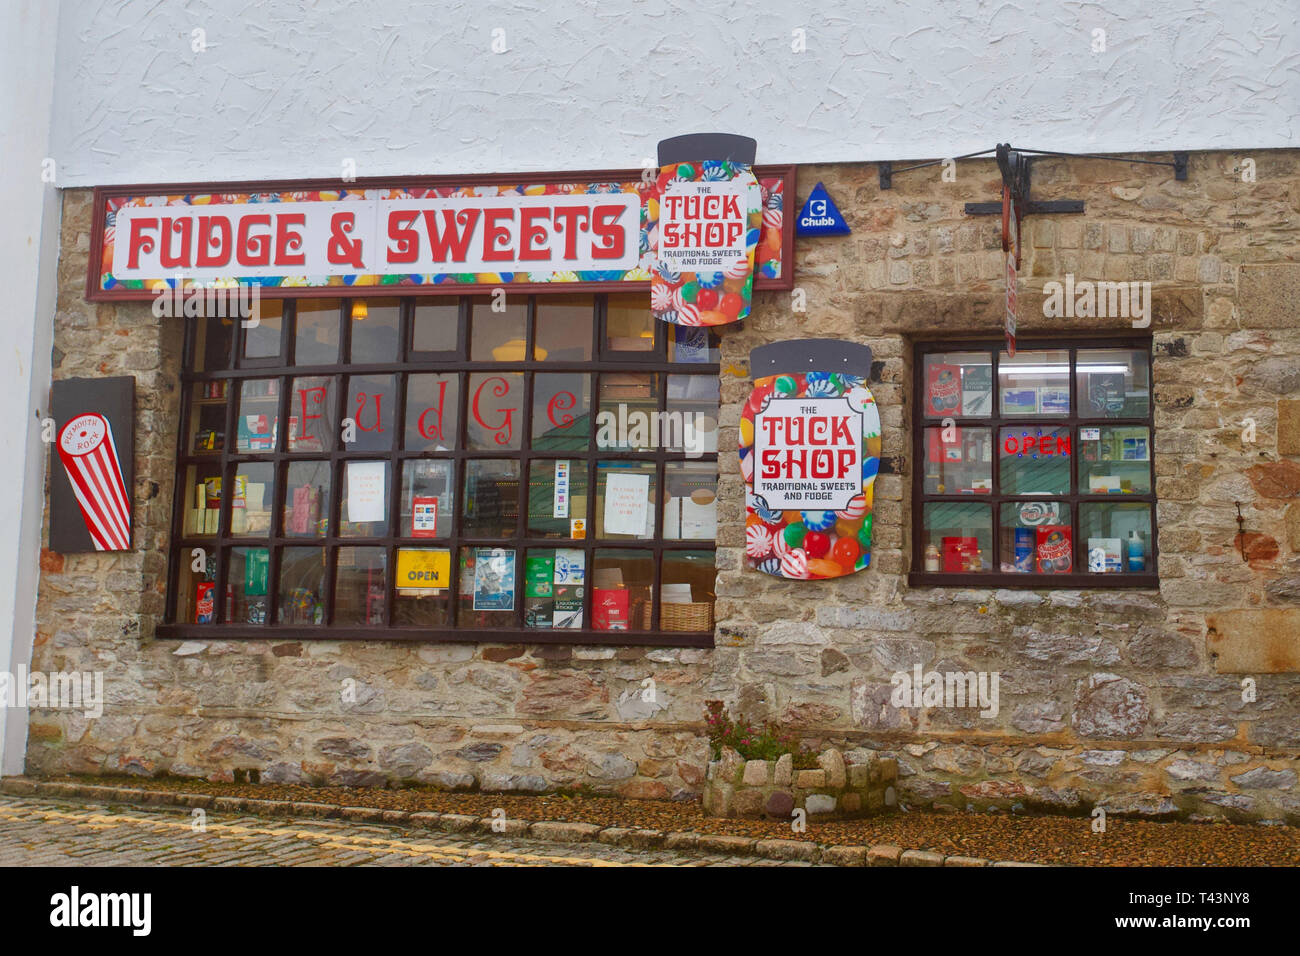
(575, 637)
(1056, 582)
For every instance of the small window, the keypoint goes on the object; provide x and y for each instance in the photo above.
(1034, 469)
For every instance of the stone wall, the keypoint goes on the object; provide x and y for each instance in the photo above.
(1128, 699)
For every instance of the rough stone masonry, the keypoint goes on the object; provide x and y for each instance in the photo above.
(1127, 700)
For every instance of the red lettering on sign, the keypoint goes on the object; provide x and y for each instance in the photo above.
(433, 431)
(407, 239)
(286, 242)
(609, 244)
(496, 238)
(208, 225)
(139, 242)
(502, 431)
(362, 400)
(320, 391)
(561, 402)
(184, 227)
(450, 244)
(566, 221)
(530, 234)
(253, 250)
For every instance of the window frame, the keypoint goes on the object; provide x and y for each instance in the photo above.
(407, 362)
(996, 577)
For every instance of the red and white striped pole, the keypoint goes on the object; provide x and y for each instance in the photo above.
(89, 457)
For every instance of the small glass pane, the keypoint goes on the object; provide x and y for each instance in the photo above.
(958, 384)
(371, 400)
(1113, 383)
(690, 502)
(691, 424)
(437, 326)
(302, 586)
(561, 412)
(1034, 460)
(365, 500)
(564, 325)
(360, 586)
(307, 500)
(686, 591)
(1114, 459)
(958, 461)
(628, 418)
(491, 498)
(312, 411)
(626, 492)
(629, 326)
(212, 340)
(257, 418)
(958, 537)
(1036, 537)
(554, 588)
(197, 601)
(374, 324)
(1116, 537)
(316, 334)
(250, 507)
(1034, 384)
(263, 340)
(496, 405)
(694, 345)
(432, 412)
(428, 498)
(620, 590)
(207, 431)
(247, 584)
(557, 498)
(202, 490)
(488, 581)
(498, 336)
(423, 587)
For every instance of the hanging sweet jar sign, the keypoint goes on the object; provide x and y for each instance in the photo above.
(703, 220)
(809, 454)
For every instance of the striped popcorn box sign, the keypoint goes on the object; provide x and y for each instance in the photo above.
(89, 457)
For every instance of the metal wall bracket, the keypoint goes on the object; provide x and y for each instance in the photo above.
(1180, 166)
(886, 175)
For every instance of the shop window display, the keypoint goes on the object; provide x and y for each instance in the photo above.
(1035, 469)
(448, 470)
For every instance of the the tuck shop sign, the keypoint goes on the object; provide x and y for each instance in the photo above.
(809, 453)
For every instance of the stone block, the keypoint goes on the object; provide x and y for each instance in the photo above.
(755, 773)
(860, 775)
(920, 858)
(786, 849)
(810, 779)
(783, 775)
(845, 855)
(563, 832)
(1267, 295)
(832, 762)
(819, 803)
(1254, 641)
(1288, 427)
(884, 854)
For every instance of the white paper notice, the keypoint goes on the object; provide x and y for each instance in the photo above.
(627, 504)
(366, 491)
(560, 507)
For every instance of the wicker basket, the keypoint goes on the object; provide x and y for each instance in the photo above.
(695, 616)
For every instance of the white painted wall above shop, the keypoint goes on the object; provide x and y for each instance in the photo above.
(151, 92)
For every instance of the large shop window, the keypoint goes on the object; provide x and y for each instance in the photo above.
(392, 468)
(1034, 470)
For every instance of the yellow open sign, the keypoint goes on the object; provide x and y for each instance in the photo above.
(422, 568)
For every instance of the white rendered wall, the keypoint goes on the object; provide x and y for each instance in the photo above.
(29, 252)
(293, 88)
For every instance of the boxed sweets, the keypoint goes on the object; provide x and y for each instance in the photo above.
(1055, 549)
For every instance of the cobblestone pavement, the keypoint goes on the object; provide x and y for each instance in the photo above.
(49, 833)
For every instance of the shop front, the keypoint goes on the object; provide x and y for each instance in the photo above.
(477, 500)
